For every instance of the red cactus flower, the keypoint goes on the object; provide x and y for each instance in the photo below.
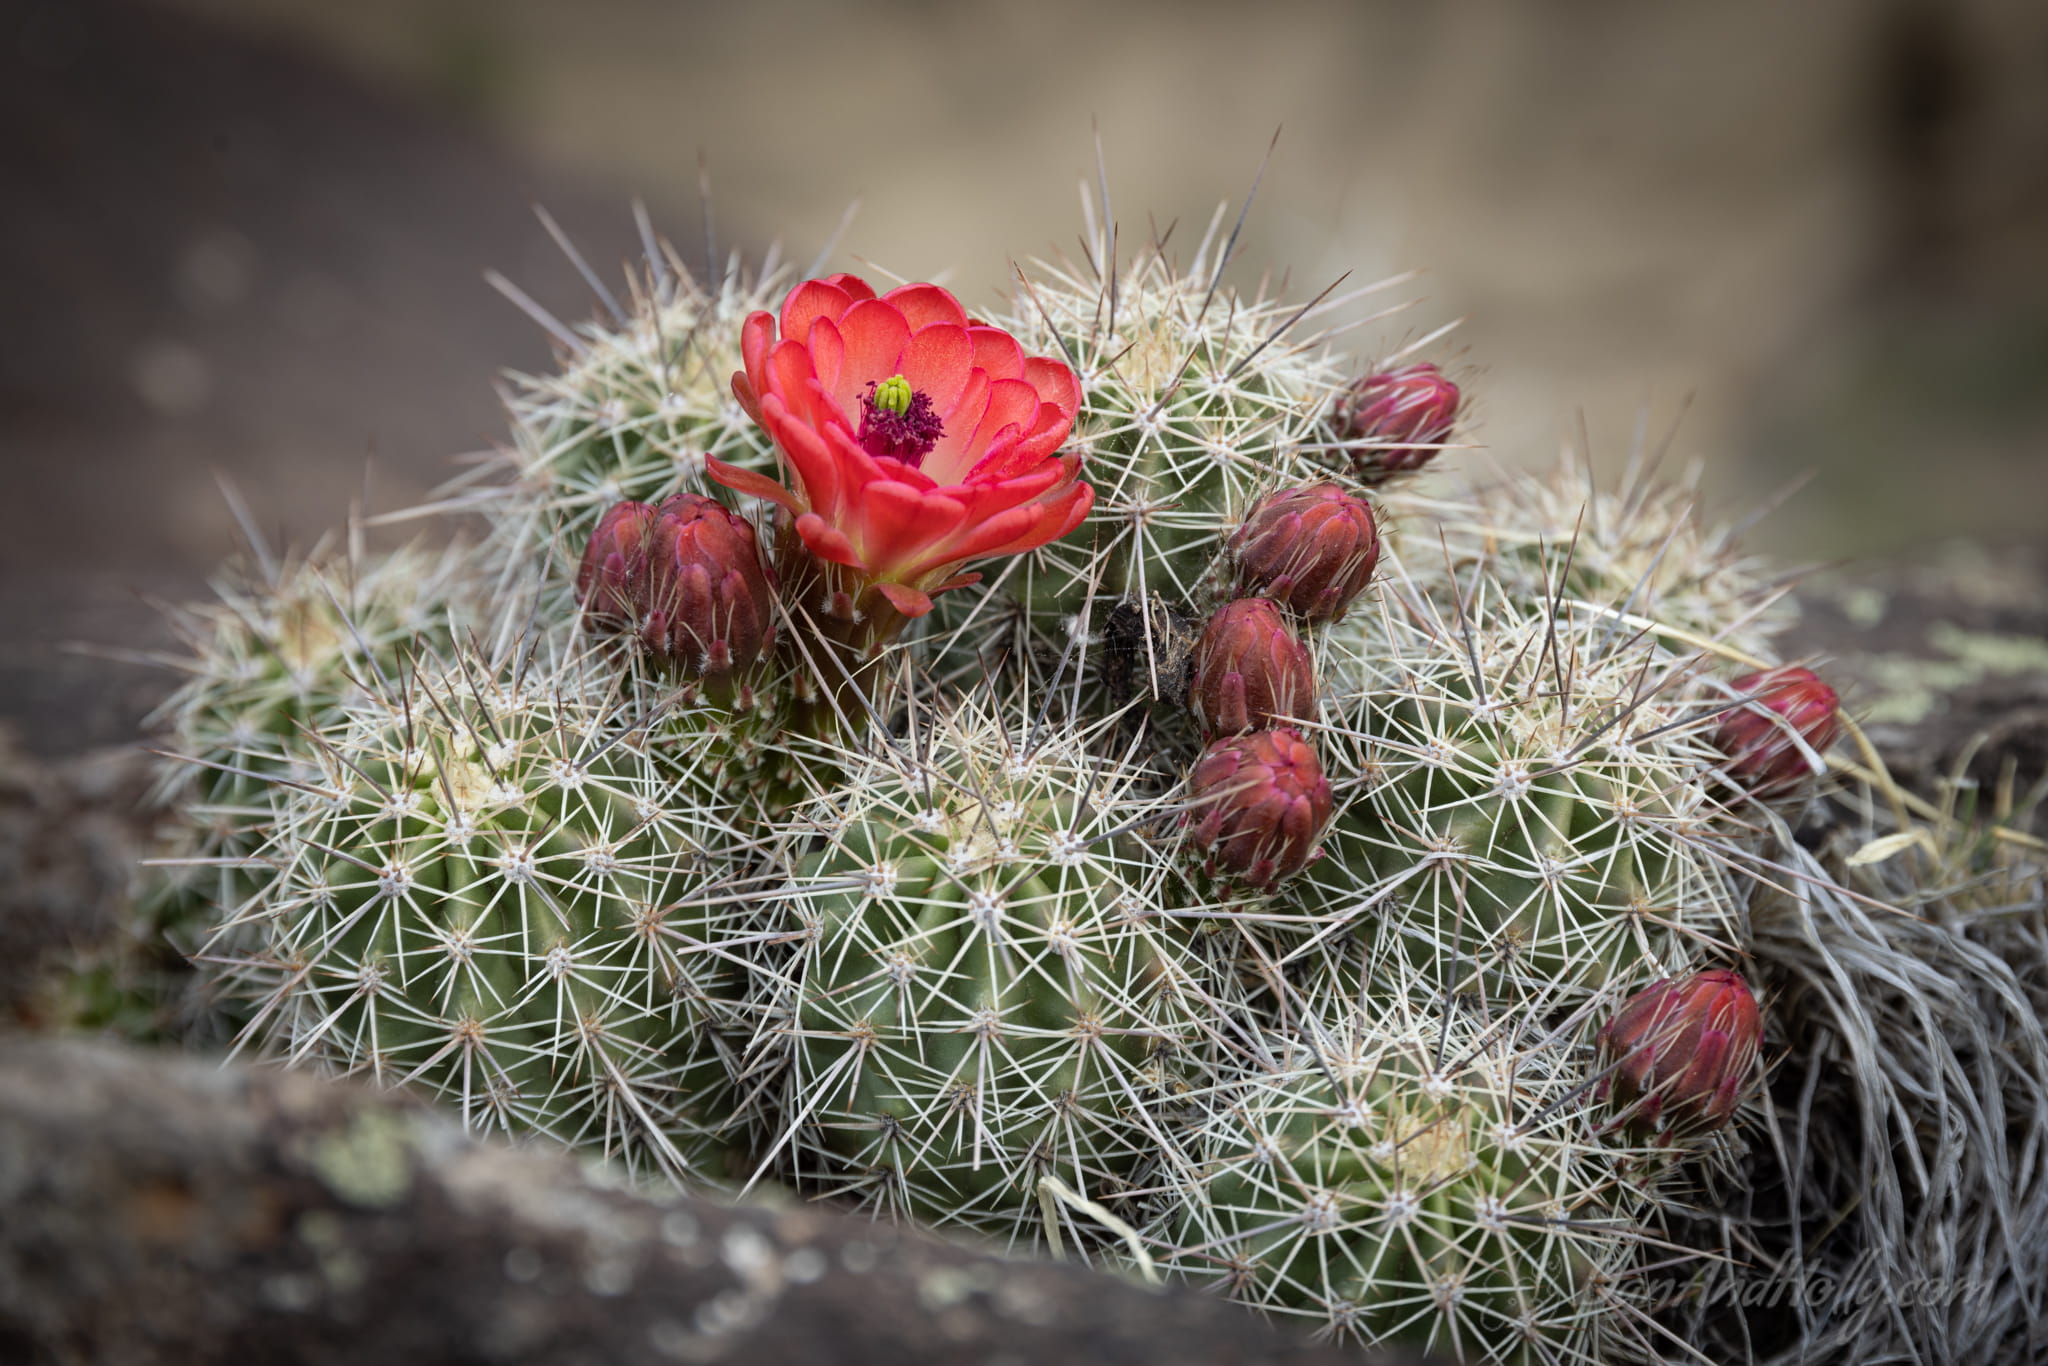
(1681, 1052)
(1395, 420)
(1250, 671)
(710, 606)
(1311, 549)
(1775, 740)
(1260, 802)
(916, 439)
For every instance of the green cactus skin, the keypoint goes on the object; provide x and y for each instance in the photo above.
(989, 985)
(500, 892)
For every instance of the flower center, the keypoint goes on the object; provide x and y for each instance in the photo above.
(898, 422)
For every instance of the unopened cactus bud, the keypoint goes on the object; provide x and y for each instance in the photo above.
(1310, 549)
(1259, 802)
(710, 603)
(1680, 1053)
(1392, 421)
(1250, 671)
(611, 583)
(1775, 740)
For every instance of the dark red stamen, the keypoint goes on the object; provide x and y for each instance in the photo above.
(907, 436)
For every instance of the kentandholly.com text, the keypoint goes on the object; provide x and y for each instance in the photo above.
(1830, 1290)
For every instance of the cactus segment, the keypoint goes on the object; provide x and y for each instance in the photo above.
(1421, 1180)
(500, 891)
(990, 985)
(1524, 780)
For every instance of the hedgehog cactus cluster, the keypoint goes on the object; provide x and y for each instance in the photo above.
(1071, 771)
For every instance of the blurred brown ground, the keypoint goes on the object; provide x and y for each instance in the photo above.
(248, 234)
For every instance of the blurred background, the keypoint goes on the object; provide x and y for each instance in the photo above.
(247, 237)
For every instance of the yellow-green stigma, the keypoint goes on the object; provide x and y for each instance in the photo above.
(894, 394)
(897, 422)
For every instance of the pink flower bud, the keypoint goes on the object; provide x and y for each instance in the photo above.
(611, 583)
(1259, 803)
(1681, 1052)
(710, 604)
(1310, 549)
(1250, 671)
(1394, 420)
(1768, 739)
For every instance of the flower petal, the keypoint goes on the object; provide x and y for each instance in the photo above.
(997, 352)
(1057, 516)
(743, 390)
(757, 334)
(899, 524)
(937, 362)
(875, 334)
(1054, 382)
(747, 481)
(905, 599)
(785, 374)
(923, 305)
(1046, 433)
(995, 533)
(827, 542)
(1011, 403)
(828, 353)
(852, 284)
(809, 301)
(951, 458)
(817, 474)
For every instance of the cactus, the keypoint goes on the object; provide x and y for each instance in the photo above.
(1299, 970)
(989, 986)
(502, 890)
(1420, 1178)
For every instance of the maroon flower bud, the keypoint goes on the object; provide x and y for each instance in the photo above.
(1259, 803)
(611, 583)
(1311, 549)
(1775, 739)
(710, 605)
(1394, 420)
(1679, 1053)
(1250, 671)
